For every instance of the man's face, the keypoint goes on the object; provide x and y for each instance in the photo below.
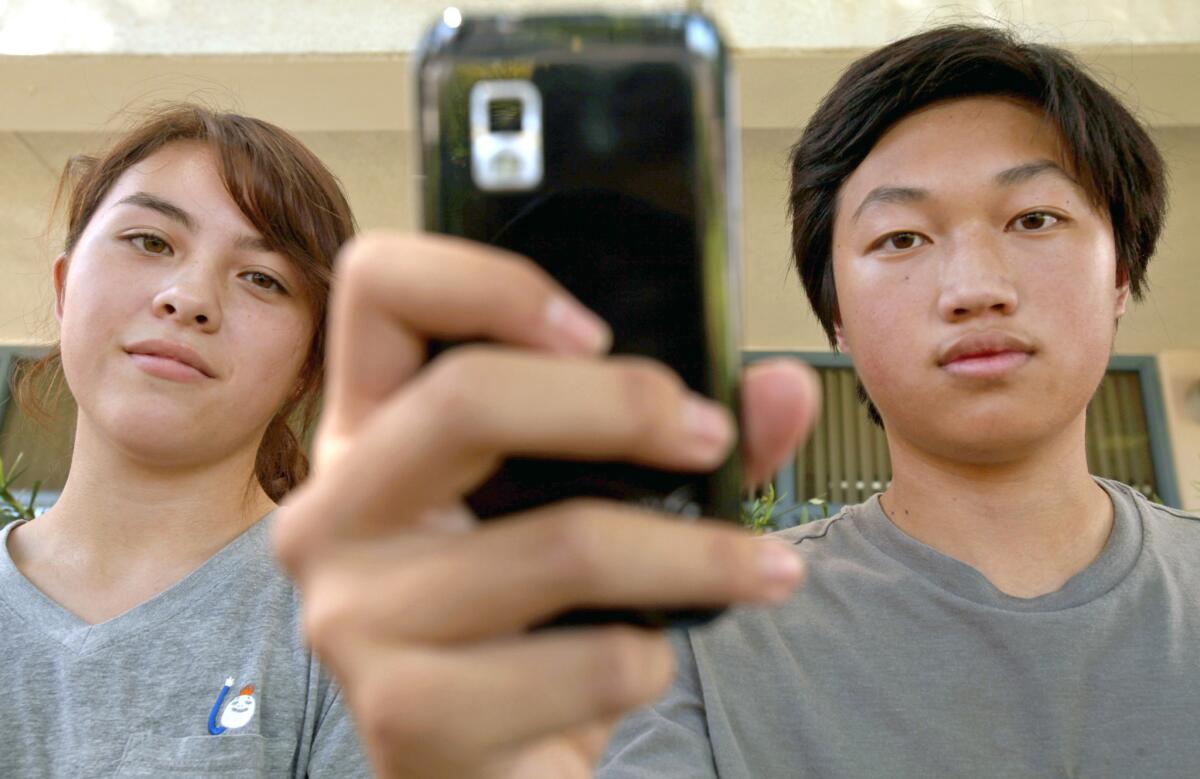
(965, 223)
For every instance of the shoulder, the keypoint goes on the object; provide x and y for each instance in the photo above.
(1170, 536)
(823, 536)
(1162, 516)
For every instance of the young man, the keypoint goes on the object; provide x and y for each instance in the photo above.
(970, 216)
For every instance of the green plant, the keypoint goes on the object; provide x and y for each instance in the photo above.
(759, 514)
(10, 507)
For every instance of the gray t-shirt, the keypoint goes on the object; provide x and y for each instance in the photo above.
(209, 678)
(896, 660)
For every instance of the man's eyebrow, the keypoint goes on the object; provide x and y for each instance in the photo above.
(164, 207)
(1022, 173)
(891, 195)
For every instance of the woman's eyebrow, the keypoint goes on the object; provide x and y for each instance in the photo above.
(177, 214)
(164, 207)
(253, 242)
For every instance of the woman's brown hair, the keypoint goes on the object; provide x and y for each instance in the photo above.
(290, 197)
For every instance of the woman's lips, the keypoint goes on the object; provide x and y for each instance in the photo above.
(167, 368)
(987, 366)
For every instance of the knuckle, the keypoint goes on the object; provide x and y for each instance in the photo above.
(625, 670)
(326, 620)
(288, 547)
(390, 711)
(362, 254)
(727, 558)
(650, 395)
(294, 537)
(571, 545)
(452, 385)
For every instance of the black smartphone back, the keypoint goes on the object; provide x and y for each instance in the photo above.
(601, 148)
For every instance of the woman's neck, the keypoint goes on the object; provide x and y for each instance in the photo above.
(125, 529)
(1028, 525)
(116, 511)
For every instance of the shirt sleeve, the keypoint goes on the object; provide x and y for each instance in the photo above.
(336, 749)
(668, 738)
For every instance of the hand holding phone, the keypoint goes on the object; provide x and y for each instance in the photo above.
(421, 613)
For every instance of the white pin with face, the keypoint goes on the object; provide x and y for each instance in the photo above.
(239, 711)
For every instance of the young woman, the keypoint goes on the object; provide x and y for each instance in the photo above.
(145, 630)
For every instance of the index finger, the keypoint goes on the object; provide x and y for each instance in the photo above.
(394, 291)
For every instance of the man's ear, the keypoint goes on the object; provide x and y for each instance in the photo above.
(1123, 292)
(60, 285)
(841, 339)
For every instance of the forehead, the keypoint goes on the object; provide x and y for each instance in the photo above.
(956, 142)
(186, 174)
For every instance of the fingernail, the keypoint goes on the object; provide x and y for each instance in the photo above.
(578, 327)
(781, 568)
(707, 420)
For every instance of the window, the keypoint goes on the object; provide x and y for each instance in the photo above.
(846, 458)
(45, 454)
(844, 461)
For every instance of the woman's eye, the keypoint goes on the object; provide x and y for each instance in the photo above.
(1034, 221)
(151, 244)
(260, 279)
(902, 241)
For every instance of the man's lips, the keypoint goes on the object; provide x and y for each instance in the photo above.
(982, 345)
(985, 354)
(984, 365)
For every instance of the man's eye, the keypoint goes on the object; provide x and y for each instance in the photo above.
(1034, 221)
(260, 279)
(151, 244)
(902, 241)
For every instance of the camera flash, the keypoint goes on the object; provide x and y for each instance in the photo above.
(506, 166)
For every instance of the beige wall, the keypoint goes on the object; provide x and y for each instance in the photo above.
(308, 26)
(350, 102)
(374, 168)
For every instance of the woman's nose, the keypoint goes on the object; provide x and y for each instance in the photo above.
(190, 301)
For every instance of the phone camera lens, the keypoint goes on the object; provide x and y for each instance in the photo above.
(504, 116)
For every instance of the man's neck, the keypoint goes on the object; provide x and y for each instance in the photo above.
(1028, 525)
(125, 529)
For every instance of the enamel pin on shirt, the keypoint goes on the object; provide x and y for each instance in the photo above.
(237, 714)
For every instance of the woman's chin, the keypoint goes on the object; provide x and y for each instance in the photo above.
(164, 438)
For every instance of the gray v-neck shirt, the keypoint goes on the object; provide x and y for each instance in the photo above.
(208, 678)
(896, 660)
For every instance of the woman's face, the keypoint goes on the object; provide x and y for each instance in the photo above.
(182, 334)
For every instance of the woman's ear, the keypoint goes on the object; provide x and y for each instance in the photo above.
(60, 285)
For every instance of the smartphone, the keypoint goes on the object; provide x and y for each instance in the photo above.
(603, 148)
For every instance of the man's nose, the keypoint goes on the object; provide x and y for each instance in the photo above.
(976, 277)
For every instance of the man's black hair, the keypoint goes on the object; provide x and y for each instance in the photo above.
(1109, 151)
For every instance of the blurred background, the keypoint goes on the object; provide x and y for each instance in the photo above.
(337, 74)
